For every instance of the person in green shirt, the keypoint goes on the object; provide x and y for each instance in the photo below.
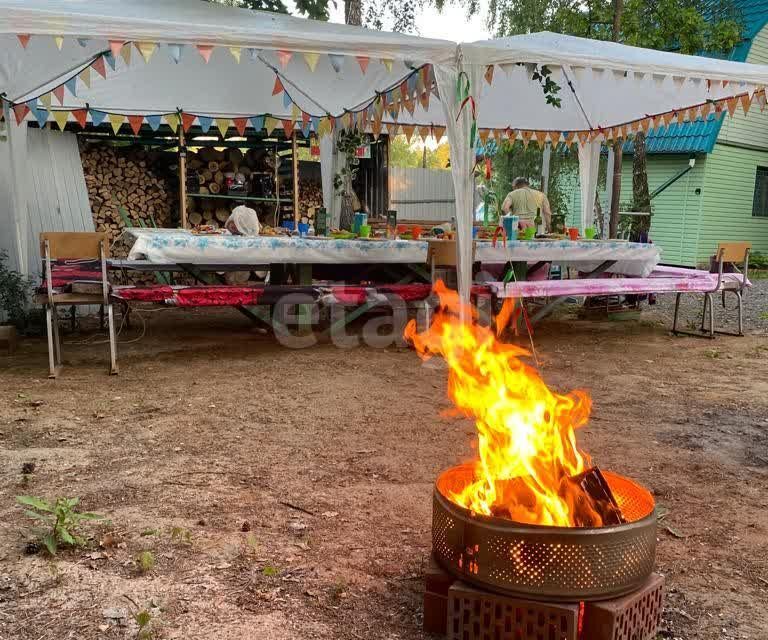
(523, 201)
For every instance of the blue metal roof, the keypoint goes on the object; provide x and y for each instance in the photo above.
(700, 136)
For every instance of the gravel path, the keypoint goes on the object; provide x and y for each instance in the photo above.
(755, 309)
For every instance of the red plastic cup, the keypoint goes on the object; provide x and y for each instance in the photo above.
(573, 233)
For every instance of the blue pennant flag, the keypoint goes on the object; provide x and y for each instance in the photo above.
(411, 84)
(154, 122)
(97, 117)
(315, 122)
(287, 102)
(336, 61)
(306, 129)
(257, 122)
(71, 85)
(205, 123)
(83, 42)
(41, 115)
(174, 50)
(110, 60)
(253, 53)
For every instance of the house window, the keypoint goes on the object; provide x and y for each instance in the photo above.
(760, 202)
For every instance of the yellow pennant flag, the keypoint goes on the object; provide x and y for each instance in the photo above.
(125, 52)
(554, 136)
(270, 124)
(85, 76)
(408, 131)
(387, 63)
(222, 124)
(541, 138)
(61, 118)
(146, 49)
(483, 135)
(526, 135)
(171, 118)
(59, 40)
(295, 113)
(346, 120)
(311, 60)
(46, 100)
(235, 51)
(116, 120)
(376, 129)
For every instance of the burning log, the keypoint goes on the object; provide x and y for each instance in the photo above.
(595, 506)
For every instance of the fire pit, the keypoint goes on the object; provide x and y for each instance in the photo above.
(545, 562)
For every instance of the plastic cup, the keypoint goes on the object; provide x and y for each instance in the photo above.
(573, 233)
(359, 220)
(529, 233)
(589, 233)
(288, 224)
(510, 226)
(303, 229)
(365, 231)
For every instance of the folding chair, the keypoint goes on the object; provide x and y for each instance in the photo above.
(735, 281)
(74, 246)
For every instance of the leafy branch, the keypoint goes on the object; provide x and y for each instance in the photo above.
(61, 521)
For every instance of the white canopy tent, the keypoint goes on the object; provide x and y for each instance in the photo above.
(211, 61)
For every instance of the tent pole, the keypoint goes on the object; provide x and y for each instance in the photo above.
(182, 175)
(295, 149)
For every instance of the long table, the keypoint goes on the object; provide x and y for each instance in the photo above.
(172, 246)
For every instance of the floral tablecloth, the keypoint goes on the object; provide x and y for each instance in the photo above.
(175, 246)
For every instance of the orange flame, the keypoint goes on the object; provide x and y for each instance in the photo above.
(526, 432)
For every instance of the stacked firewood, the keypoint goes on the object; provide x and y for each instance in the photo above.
(137, 181)
(310, 197)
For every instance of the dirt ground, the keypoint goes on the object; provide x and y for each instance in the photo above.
(287, 493)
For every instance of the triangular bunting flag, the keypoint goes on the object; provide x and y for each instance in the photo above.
(23, 39)
(97, 117)
(98, 67)
(46, 100)
(284, 57)
(387, 63)
(346, 120)
(288, 126)
(135, 122)
(59, 40)
(305, 118)
(731, 104)
(680, 116)
(581, 135)
(483, 135)
(116, 120)
(376, 128)
(187, 120)
(270, 124)
(115, 46)
(61, 118)
(541, 138)
(71, 86)
(287, 102)
(705, 109)
(489, 74)
(58, 93)
(526, 136)
(508, 67)
(154, 122)
(745, 102)
(424, 133)
(83, 42)
(125, 53)
(668, 117)
(205, 50)
(146, 49)
(81, 116)
(205, 123)
(253, 53)
(111, 61)
(41, 115)
(295, 112)
(173, 121)
(424, 99)
(554, 137)
(761, 99)
(235, 51)
(311, 59)
(85, 77)
(336, 61)
(174, 50)
(257, 122)
(439, 133)
(657, 121)
(278, 88)
(222, 124)
(568, 138)
(363, 62)
(240, 125)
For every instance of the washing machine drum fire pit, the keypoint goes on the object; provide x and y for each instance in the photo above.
(543, 562)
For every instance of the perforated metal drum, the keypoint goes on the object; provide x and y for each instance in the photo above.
(545, 563)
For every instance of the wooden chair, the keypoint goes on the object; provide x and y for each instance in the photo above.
(736, 255)
(74, 246)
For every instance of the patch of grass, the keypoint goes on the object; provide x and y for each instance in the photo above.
(60, 519)
(145, 561)
(270, 571)
(182, 535)
(149, 532)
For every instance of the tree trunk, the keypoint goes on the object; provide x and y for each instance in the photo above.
(613, 224)
(353, 12)
(640, 195)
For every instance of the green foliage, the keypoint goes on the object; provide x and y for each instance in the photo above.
(270, 571)
(61, 520)
(14, 294)
(145, 561)
(143, 621)
(314, 9)
(347, 144)
(758, 260)
(182, 535)
(404, 155)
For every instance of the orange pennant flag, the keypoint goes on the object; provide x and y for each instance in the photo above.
(731, 104)
(569, 138)
(483, 135)
(284, 57)
(424, 133)
(23, 39)
(541, 138)
(240, 125)
(278, 88)
(59, 93)
(489, 74)
(582, 136)
(680, 116)
(98, 67)
(668, 117)
(288, 126)
(115, 46)
(705, 109)
(363, 62)
(81, 116)
(745, 102)
(554, 136)
(135, 122)
(205, 50)
(20, 111)
(408, 131)
(439, 133)
(187, 120)
(526, 136)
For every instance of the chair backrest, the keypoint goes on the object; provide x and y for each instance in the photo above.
(733, 251)
(74, 244)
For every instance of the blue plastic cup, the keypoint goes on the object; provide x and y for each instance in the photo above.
(360, 220)
(288, 224)
(510, 224)
(303, 228)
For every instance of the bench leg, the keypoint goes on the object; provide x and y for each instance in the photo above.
(704, 312)
(710, 298)
(677, 312)
(112, 341)
(54, 354)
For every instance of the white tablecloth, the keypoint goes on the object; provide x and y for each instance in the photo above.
(174, 246)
